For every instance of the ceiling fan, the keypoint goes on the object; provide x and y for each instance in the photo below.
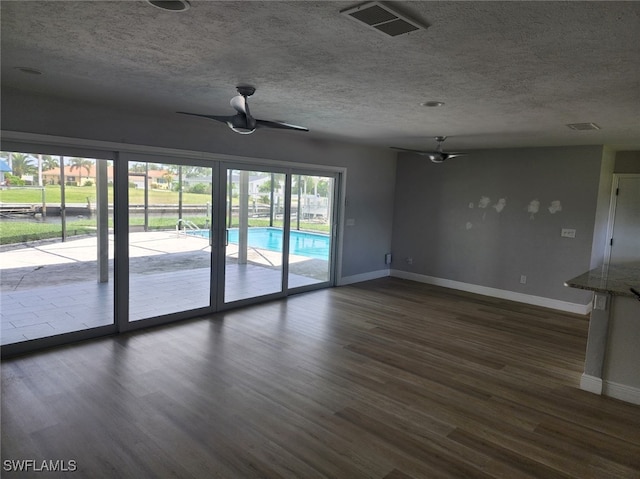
(437, 156)
(242, 122)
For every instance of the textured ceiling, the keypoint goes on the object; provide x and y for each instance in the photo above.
(510, 73)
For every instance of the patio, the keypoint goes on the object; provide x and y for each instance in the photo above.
(51, 288)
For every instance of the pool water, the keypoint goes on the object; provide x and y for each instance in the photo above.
(311, 245)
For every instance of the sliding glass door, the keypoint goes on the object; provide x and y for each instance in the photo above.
(254, 234)
(56, 253)
(170, 225)
(275, 235)
(279, 233)
(311, 230)
(95, 245)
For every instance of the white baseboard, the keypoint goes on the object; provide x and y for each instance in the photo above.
(358, 278)
(621, 391)
(591, 384)
(496, 293)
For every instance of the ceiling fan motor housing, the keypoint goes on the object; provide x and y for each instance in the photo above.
(242, 124)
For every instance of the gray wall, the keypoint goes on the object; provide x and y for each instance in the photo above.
(627, 162)
(370, 171)
(441, 223)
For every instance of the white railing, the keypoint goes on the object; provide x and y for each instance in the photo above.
(186, 225)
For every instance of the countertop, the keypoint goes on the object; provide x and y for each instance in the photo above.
(612, 279)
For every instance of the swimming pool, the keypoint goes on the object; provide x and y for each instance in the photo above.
(311, 245)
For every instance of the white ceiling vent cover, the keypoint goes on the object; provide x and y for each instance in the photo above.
(381, 18)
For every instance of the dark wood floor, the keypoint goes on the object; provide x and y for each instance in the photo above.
(383, 379)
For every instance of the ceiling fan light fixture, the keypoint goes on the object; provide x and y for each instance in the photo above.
(171, 5)
(242, 131)
(437, 155)
(432, 103)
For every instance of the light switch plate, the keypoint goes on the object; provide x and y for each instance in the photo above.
(568, 233)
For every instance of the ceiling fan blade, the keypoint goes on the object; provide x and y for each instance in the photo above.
(437, 156)
(434, 156)
(242, 122)
(279, 124)
(419, 152)
(223, 119)
(239, 103)
(239, 122)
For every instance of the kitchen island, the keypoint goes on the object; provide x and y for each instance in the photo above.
(612, 361)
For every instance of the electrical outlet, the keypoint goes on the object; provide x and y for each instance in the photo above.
(523, 279)
(409, 260)
(387, 258)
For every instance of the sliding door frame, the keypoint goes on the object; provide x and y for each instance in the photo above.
(289, 172)
(225, 167)
(334, 222)
(121, 154)
(80, 151)
(123, 273)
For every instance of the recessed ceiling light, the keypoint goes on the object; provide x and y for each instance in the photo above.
(432, 103)
(171, 5)
(30, 71)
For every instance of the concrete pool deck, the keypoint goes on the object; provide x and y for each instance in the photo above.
(75, 260)
(51, 288)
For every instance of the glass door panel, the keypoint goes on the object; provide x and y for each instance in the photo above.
(170, 226)
(254, 234)
(311, 227)
(56, 263)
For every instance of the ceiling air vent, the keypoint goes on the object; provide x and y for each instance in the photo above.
(583, 126)
(381, 18)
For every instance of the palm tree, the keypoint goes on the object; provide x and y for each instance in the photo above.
(79, 164)
(22, 164)
(49, 162)
(168, 177)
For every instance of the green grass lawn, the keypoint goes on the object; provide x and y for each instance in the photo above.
(25, 231)
(79, 194)
(22, 232)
